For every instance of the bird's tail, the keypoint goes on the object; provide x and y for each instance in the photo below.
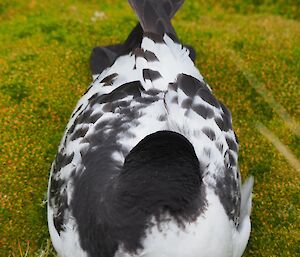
(155, 15)
(155, 20)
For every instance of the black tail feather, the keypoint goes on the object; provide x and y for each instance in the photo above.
(103, 57)
(155, 15)
(133, 41)
(155, 19)
(192, 52)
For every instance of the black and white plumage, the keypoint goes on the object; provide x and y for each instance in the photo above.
(148, 165)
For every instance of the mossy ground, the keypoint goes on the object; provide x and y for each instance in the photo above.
(248, 51)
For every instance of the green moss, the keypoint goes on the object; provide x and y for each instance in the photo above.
(295, 145)
(4, 5)
(238, 45)
(17, 91)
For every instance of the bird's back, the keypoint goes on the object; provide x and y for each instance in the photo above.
(147, 90)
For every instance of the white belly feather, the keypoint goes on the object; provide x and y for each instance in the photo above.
(210, 236)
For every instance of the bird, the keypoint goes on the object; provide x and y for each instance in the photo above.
(148, 164)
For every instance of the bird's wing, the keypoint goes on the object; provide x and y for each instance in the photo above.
(194, 112)
(107, 123)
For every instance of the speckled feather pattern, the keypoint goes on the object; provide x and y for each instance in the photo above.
(155, 87)
(176, 99)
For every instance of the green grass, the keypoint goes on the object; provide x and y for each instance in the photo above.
(249, 53)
